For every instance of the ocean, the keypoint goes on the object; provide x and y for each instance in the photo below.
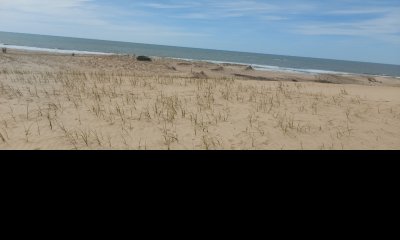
(259, 61)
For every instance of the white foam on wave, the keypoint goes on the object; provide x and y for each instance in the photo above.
(211, 61)
(36, 49)
(270, 68)
(296, 70)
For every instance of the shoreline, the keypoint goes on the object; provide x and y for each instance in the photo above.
(258, 67)
(213, 69)
(51, 50)
(269, 68)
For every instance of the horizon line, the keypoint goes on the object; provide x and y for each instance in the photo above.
(210, 49)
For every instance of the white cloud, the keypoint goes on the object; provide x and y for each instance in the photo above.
(245, 6)
(389, 24)
(360, 11)
(168, 6)
(274, 18)
(383, 25)
(50, 7)
(212, 10)
(83, 18)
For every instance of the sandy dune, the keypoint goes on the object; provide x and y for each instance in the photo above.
(50, 101)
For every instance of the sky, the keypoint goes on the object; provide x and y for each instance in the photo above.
(360, 30)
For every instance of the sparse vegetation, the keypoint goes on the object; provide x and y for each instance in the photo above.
(140, 108)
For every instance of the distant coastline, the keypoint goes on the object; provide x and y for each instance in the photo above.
(254, 66)
(50, 50)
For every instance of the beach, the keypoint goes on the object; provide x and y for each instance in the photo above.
(60, 101)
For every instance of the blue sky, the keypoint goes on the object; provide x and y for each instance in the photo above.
(363, 30)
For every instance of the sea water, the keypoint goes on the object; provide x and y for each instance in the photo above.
(259, 61)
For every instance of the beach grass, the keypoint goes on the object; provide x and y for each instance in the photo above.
(142, 107)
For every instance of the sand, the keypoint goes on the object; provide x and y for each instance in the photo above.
(56, 101)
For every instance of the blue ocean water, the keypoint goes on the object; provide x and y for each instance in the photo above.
(259, 61)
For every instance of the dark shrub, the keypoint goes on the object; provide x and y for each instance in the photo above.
(144, 58)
